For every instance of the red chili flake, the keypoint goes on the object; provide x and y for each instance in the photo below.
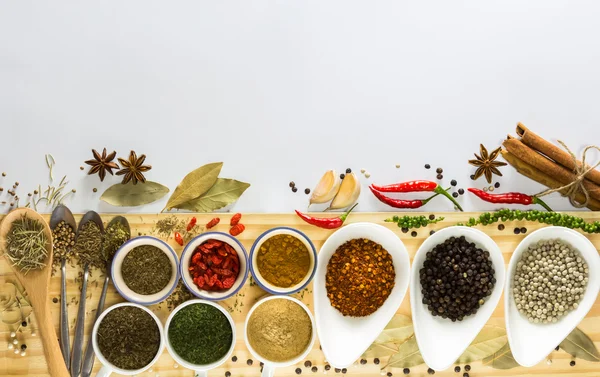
(235, 219)
(213, 223)
(179, 238)
(213, 267)
(237, 229)
(191, 224)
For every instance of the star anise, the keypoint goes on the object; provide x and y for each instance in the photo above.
(486, 164)
(133, 168)
(102, 163)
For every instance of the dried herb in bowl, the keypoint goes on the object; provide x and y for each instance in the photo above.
(146, 270)
(200, 334)
(128, 338)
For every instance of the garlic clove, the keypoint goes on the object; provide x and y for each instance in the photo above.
(348, 193)
(327, 188)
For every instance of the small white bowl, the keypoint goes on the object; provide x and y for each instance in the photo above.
(529, 342)
(440, 340)
(107, 367)
(186, 256)
(117, 276)
(345, 339)
(312, 252)
(201, 370)
(269, 366)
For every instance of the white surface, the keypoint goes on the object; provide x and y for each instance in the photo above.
(200, 369)
(530, 343)
(284, 90)
(442, 341)
(344, 339)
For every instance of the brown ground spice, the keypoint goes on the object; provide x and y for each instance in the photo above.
(360, 277)
(283, 260)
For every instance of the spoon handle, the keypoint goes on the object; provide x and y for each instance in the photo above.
(88, 359)
(64, 320)
(78, 340)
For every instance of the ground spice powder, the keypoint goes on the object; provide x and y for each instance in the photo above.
(279, 330)
(360, 277)
(283, 260)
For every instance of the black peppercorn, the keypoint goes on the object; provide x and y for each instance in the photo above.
(363, 361)
(405, 371)
(298, 371)
(234, 359)
(404, 230)
(228, 374)
(517, 230)
(307, 364)
(262, 364)
(23, 347)
(427, 166)
(413, 233)
(337, 370)
(461, 191)
(294, 189)
(472, 177)
(523, 230)
(439, 170)
(467, 367)
(307, 191)
(455, 194)
(497, 184)
(500, 226)
(439, 176)
(430, 371)
(453, 182)
(557, 348)
(55, 300)
(572, 363)
(431, 232)
(344, 370)
(24, 323)
(432, 217)
(457, 369)
(314, 369)
(465, 374)
(389, 374)
(342, 176)
(292, 184)
(249, 362)
(348, 171)
(376, 361)
(327, 367)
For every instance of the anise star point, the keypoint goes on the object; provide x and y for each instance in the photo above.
(486, 164)
(102, 163)
(133, 168)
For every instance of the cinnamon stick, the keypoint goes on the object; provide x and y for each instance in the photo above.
(532, 173)
(552, 151)
(547, 166)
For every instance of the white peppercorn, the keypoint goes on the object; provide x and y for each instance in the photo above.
(550, 280)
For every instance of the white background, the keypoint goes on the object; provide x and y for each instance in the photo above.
(284, 90)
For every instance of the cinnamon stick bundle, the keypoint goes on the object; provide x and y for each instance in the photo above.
(547, 166)
(552, 151)
(535, 174)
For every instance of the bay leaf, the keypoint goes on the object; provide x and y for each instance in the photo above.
(130, 195)
(380, 350)
(489, 340)
(224, 192)
(194, 184)
(408, 355)
(501, 359)
(398, 330)
(579, 345)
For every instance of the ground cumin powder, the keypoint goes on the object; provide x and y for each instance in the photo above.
(283, 260)
(279, 330)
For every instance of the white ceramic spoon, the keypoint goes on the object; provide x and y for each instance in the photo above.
(530, 343)
(345, 339)
(442, 341)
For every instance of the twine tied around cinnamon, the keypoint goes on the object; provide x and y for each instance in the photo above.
(580, 171)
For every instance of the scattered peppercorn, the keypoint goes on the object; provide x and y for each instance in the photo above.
(249, 362)
(292, 184)
(73, 191)
(307, 364)
(307, 191)
(517, 230)
(344, 370)
(439, 170)
(228, 374)
(363, 361)
(457, 369)
(404, 230)
(337, 370)
(501, 227)
(405, 371)
(431, 232)
(55, 300)
(455, 194)
(523, 230)
(427, 166)
(234, 359)
(23, 347)
(298, 371)
(572, 363)
(497, 184)
(95, 189)
(430, 371)
(461, 191)
(81, 168)
(327, 367)
(314, 369)
(376, 361)
(472, 176)
(439, 176)
(467, 367)
(465, 374)
(486, 189)
(413, 233)
(453, 182)
(342, 176)
(262, 364)
(432, 217)
(24, 323)
(16, 183)
(389, 374)
(3, 174)
(294, 189)
(348, 171)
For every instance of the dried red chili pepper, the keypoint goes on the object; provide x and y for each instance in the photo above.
(214, 265)
(235, 219)
(213, 223)
(237, 229)
(326, 222)
(416, 186)
(191, 224)
(399, 203)
(509, 198)
(179, 238)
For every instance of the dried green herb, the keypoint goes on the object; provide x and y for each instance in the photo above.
(130, 195)
(578, 344)
(408, 355)
(200, 334)
(501, 359)
(194, 184)
(146, 270)
(128, 338)
(115, 236)
(26, 245)
(489, 340)
(180, 295)
(88, 246)
(165, 228)
(224, 192)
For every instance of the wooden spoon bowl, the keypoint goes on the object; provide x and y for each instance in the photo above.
(36, 284)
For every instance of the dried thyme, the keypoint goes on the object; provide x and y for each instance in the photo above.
(115, 236)
(26, 245)
(146, 270)
(88, 246)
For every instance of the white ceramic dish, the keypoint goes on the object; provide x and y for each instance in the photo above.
(345, 339)
(442, 341)
(201, 370)
(107, 367)
(117, 276)
(270, 366)
(186, 256)
(270, 287)
(529, 342)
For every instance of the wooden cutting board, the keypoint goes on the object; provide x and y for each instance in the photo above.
(34, 363)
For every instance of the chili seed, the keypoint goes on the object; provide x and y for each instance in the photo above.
(457, 369)
(430, 371)
(249, 362)
(327, 367)
(397, 166)
(376, 361)
(234, 359)
(523, 230)
(485, 189)
(432, 217)
(497, 184)
(427, 166)
(439, 176)
(348, 171)
(307, 364)
(517, 230)
(404, 230)
(342, 176)
(413, 233)
(363, 361)
(461, 191)
(572, 363)
(294, 189)
(314, 369)
(467, 367)
(455, 194)
(228, 374)
(439, 170)
(500, 226)
(405, 371)
(298, 371)
(344, 370)
(307, 191)
(453, 182)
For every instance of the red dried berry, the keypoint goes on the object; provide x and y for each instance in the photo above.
(213, 223)
(236, 230)
(235, 219)
(228, 282)
(191, 224)
(179, 238)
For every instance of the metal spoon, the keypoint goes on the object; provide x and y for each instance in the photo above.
(62, 213)
(76, 357)
(88, 359)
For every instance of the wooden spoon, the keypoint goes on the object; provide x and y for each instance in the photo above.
(36, 284)
(62, 213)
